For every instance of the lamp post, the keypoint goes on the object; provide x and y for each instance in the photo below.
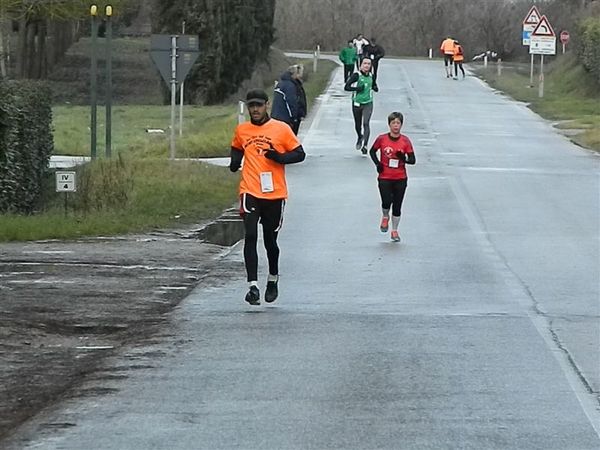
(108, 141)
(93, 84)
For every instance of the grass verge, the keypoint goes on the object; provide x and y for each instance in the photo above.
(121, 196)
(571, 96)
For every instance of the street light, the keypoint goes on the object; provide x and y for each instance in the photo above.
(108, 141)
(93, 80)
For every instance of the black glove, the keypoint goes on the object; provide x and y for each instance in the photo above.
(379, 167)
(273, 155)
(360, 88)
(375, 87)
(400, 155)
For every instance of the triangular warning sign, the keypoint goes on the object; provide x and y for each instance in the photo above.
(543, 28)
(532, 17)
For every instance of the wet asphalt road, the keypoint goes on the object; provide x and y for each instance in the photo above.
(480, 330)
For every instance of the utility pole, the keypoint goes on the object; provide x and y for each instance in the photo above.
(108, 141)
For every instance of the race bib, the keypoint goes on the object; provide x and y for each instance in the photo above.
(394, 163)
(266, 182)
(356, 104)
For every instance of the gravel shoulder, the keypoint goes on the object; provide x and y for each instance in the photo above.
(65, 306)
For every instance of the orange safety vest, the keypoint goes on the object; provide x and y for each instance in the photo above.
(458, 54)
(447, 47)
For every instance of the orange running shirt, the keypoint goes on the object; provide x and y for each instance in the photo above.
(447, 46)
(253, 140)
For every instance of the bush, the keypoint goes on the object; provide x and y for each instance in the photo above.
(589, 47)
(25, 144)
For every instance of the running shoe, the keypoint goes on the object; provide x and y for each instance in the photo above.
(384, 224)
(253, 296)
(272, 292)
(364, 150)
(395, 237)
(359, 143)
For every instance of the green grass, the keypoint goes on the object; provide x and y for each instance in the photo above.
(571, 95)
(207, 130)
(121, 196)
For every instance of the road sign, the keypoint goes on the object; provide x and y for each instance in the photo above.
(529, 23)
(65, 182)
(564, 37)
(543, 39)
(187, 54)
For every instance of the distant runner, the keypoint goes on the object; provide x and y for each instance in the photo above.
(265, 145)
(459, 57)
(447, 49)
(395, 151)
(362, 102)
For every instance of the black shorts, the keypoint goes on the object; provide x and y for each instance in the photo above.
(448, 59)
(268, 212)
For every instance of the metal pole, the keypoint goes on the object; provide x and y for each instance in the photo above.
(93, 81)
(173, 93)
(531, 72)
(181, 93)
(108, 140)
(541, 88)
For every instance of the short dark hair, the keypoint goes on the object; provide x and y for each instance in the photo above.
(395, 115)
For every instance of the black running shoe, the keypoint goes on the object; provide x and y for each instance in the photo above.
(364, 150)
(359, 143)
(271, 292)
(253, 296)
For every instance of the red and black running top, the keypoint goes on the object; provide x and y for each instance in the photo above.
(394, 153)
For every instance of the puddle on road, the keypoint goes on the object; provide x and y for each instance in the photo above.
(225, 231)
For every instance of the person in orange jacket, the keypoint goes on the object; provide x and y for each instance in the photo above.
(458, 58)
(447, 49)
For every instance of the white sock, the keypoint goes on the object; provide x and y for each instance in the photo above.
(386, 213)
(395, 222)
(273, 277)
(252, 283)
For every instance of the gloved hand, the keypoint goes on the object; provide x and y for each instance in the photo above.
(379, 167)
(375, 87)
(273, 155)
(401, 155)
(360, 88)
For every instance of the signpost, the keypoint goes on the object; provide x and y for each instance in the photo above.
(529, 23)
(174, 57)
(564, 39)
(65, 182)
(543, 42)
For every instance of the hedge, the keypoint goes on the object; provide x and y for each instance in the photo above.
(25, 144)
(589, 47)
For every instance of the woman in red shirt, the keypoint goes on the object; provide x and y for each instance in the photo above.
(395, 151)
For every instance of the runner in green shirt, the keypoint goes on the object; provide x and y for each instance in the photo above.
(348, 57)
(362, 102)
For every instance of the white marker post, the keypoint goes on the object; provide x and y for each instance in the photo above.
(241, 117)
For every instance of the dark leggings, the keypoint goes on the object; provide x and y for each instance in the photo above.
(392, 193)
(362, 117)
(269, 212)
(458, 64)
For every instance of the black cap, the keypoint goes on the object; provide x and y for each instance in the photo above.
(257, 96)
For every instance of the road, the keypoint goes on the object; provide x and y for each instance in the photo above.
(480, 330)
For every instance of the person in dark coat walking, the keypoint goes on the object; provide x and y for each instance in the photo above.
(375, 52)
(289, 98)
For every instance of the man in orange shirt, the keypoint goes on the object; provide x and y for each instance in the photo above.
(266, 145)
(447, 49)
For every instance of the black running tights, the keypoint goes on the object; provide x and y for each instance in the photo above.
(392, 195)
(251, 242)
